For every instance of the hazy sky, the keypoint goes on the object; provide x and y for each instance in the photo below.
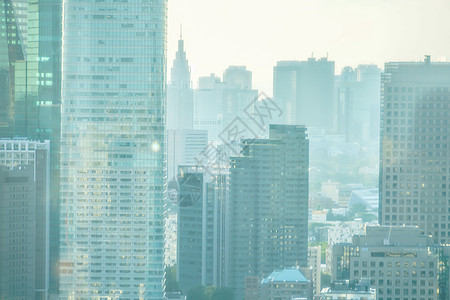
(258, 33)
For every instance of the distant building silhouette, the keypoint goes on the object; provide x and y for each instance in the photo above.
(180, 96)
(358, 103)
(304, 90)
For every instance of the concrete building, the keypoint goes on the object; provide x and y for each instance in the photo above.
(304, 90)
(399, 261)
(268, 197)
(17, 239)
(171, 238)
(113, 149)
(415, 157)
(184, 148)
(218, 103)
(201, 228)
(286, 284)
(180, 96)
(349, 290)
(314, 264)
(31, 41)
(358, 103)
(25, 215)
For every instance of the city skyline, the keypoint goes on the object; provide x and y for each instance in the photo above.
(206, 150)
(218, 35)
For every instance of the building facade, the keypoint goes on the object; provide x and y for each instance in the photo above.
(314, 264)
(268, 197)
(399, 261)
(25, 214)
(286, 284)
(304, 90)
(113, 148)
(414, 154)
(358, 103)
(201, 228)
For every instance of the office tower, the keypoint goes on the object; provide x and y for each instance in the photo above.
(358, 103)
(17, 266)
(289, 283)
(238, 96)
(180, 96)
(37, 108)
(414, 155)
(11, 51)
(208, 106)
(399, 261)
(218, 103)
(304, 90)
(314, 264)
(269, 198)
(24, 211)
(30, 96)
(201, 227)
(184, 148)
(113, 149)
(238, 76)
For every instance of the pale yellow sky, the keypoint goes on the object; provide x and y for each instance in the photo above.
(259, 33)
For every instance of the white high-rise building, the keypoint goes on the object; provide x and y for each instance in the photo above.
(113, 149)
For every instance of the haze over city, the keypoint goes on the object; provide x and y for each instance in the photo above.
(260, 33)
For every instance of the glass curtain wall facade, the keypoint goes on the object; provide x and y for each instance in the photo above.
(113, 149)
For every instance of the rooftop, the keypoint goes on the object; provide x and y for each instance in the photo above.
(286, 275)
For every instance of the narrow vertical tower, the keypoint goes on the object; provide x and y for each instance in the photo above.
(180, 97)
(113, 149)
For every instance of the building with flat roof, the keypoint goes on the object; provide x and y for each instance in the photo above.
(269, 198)
(25, 219)
(349, 290)
(414, 153)
(286, 284)
(400, 262)
(305, 92)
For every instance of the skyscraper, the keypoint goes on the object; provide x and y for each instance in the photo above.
(201, 227)
(268, 206)
(11, 51)
(218, 103)
(183, 148)
(180, 96)
(113, 149)
(24, 211)
(415, 155)
(304, 90)
(358, 103)
(30, 71)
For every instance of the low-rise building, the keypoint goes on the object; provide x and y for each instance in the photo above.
(286, 284)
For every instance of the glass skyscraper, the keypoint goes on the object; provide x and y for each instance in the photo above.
(113, 149)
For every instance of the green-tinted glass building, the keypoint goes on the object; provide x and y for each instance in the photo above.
(30, 88)
(11, 52)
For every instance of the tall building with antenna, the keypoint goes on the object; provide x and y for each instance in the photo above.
(180, 96)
